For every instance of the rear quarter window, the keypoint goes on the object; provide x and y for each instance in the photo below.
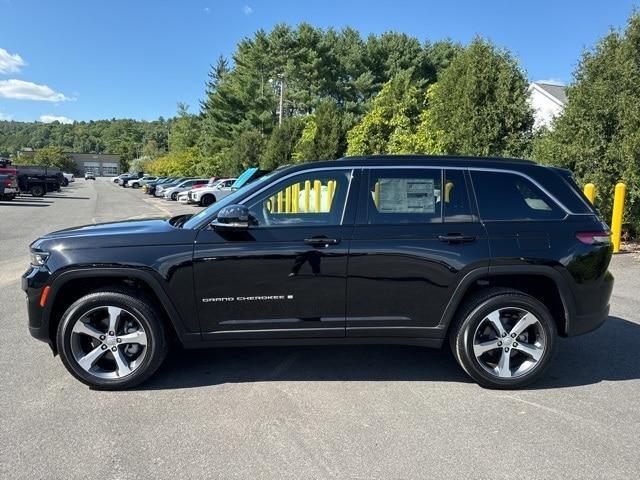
(505, 196)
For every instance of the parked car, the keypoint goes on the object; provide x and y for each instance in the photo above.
(150, 188)
(172, 192)
(139, 182)
(8, 186)
(122, 181)
(495, 257)
(116, 179)
(68, 178)
(164, 186)
(89, 176)
(207, 195)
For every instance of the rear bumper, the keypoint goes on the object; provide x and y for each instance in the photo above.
(592, 305)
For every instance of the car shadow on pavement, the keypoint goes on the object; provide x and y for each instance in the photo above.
(69, 197)
(14, 203)
(611, 353)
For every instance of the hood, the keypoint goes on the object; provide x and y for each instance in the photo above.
(157, 231)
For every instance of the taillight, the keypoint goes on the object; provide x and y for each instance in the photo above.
(593, 238)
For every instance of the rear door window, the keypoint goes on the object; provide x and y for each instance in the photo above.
(404, 196)
(508, 196)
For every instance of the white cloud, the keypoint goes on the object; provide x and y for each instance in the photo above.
(55, 118)
(4, 116)
(21, 90)
(247, 10)
(207, 10)
(10, 63)
(551, 81)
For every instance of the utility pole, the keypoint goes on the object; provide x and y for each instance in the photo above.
(281, 110)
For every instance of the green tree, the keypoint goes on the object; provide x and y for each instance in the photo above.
(185, 130)
(598, 134)
(52, 157)
(480, 106)
(390, 125)
(323, 137)
(244, 153)
(280, 146)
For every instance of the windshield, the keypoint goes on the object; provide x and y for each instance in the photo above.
(209, 213)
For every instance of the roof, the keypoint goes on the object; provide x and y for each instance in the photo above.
(558, 92)
(460, 161)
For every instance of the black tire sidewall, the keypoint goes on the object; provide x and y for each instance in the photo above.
(37, 191)
(464, 342)
(144, 314)
(207, 200)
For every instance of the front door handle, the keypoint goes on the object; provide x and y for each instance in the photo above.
(456, 238)
(321, 241)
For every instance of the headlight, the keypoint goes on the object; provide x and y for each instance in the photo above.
(39, 258)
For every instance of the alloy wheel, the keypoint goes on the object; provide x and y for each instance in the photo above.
(109, 342)
(509, 342)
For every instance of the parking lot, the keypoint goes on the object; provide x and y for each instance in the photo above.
(306, 412)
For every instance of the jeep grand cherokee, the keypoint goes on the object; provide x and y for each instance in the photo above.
(497, 257)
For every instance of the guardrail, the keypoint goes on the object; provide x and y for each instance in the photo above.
(618, 209)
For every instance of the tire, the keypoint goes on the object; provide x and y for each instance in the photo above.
(136, 319)
(207, 200)
(174, 196)
(37, 191)
(135, 185)
(504, 364)
(65, 183)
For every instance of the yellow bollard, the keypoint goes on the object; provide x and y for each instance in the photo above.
(295, 197)
(280, 209)
(307, 195)
(317, 191)
(616, 219)
(331, 187)
(590, 192)
(287, 200)
(447, 191)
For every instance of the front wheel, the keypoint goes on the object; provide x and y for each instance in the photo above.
(207, 200)
(503, 338)
(174, 196)
(111, 340)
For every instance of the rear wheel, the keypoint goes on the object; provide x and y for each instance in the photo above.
(503, 338)
(111, 340)
(174, 196)
(207, 200)
(37, 191)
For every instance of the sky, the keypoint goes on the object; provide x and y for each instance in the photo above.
(88, 60)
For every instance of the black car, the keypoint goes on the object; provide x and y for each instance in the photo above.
(496, 257)
(151, 186)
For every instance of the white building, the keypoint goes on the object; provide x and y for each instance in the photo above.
(547, 101)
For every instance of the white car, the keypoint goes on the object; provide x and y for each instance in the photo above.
(69, 177)
(213, 186)
(139, 182)
(171, 193)
(205, 196)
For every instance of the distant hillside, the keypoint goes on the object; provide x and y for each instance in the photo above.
(127, 138)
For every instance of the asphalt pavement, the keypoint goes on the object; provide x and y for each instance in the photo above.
(388, 412)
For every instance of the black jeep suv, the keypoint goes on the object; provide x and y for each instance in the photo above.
(496, 257)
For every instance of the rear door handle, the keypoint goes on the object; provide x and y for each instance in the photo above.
(321, 242)
(456, 238)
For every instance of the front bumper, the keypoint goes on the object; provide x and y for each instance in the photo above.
(33, 282)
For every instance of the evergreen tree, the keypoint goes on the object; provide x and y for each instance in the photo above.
(598, 134)
(480, 106)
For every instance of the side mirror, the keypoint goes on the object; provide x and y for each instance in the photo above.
(232, 217)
